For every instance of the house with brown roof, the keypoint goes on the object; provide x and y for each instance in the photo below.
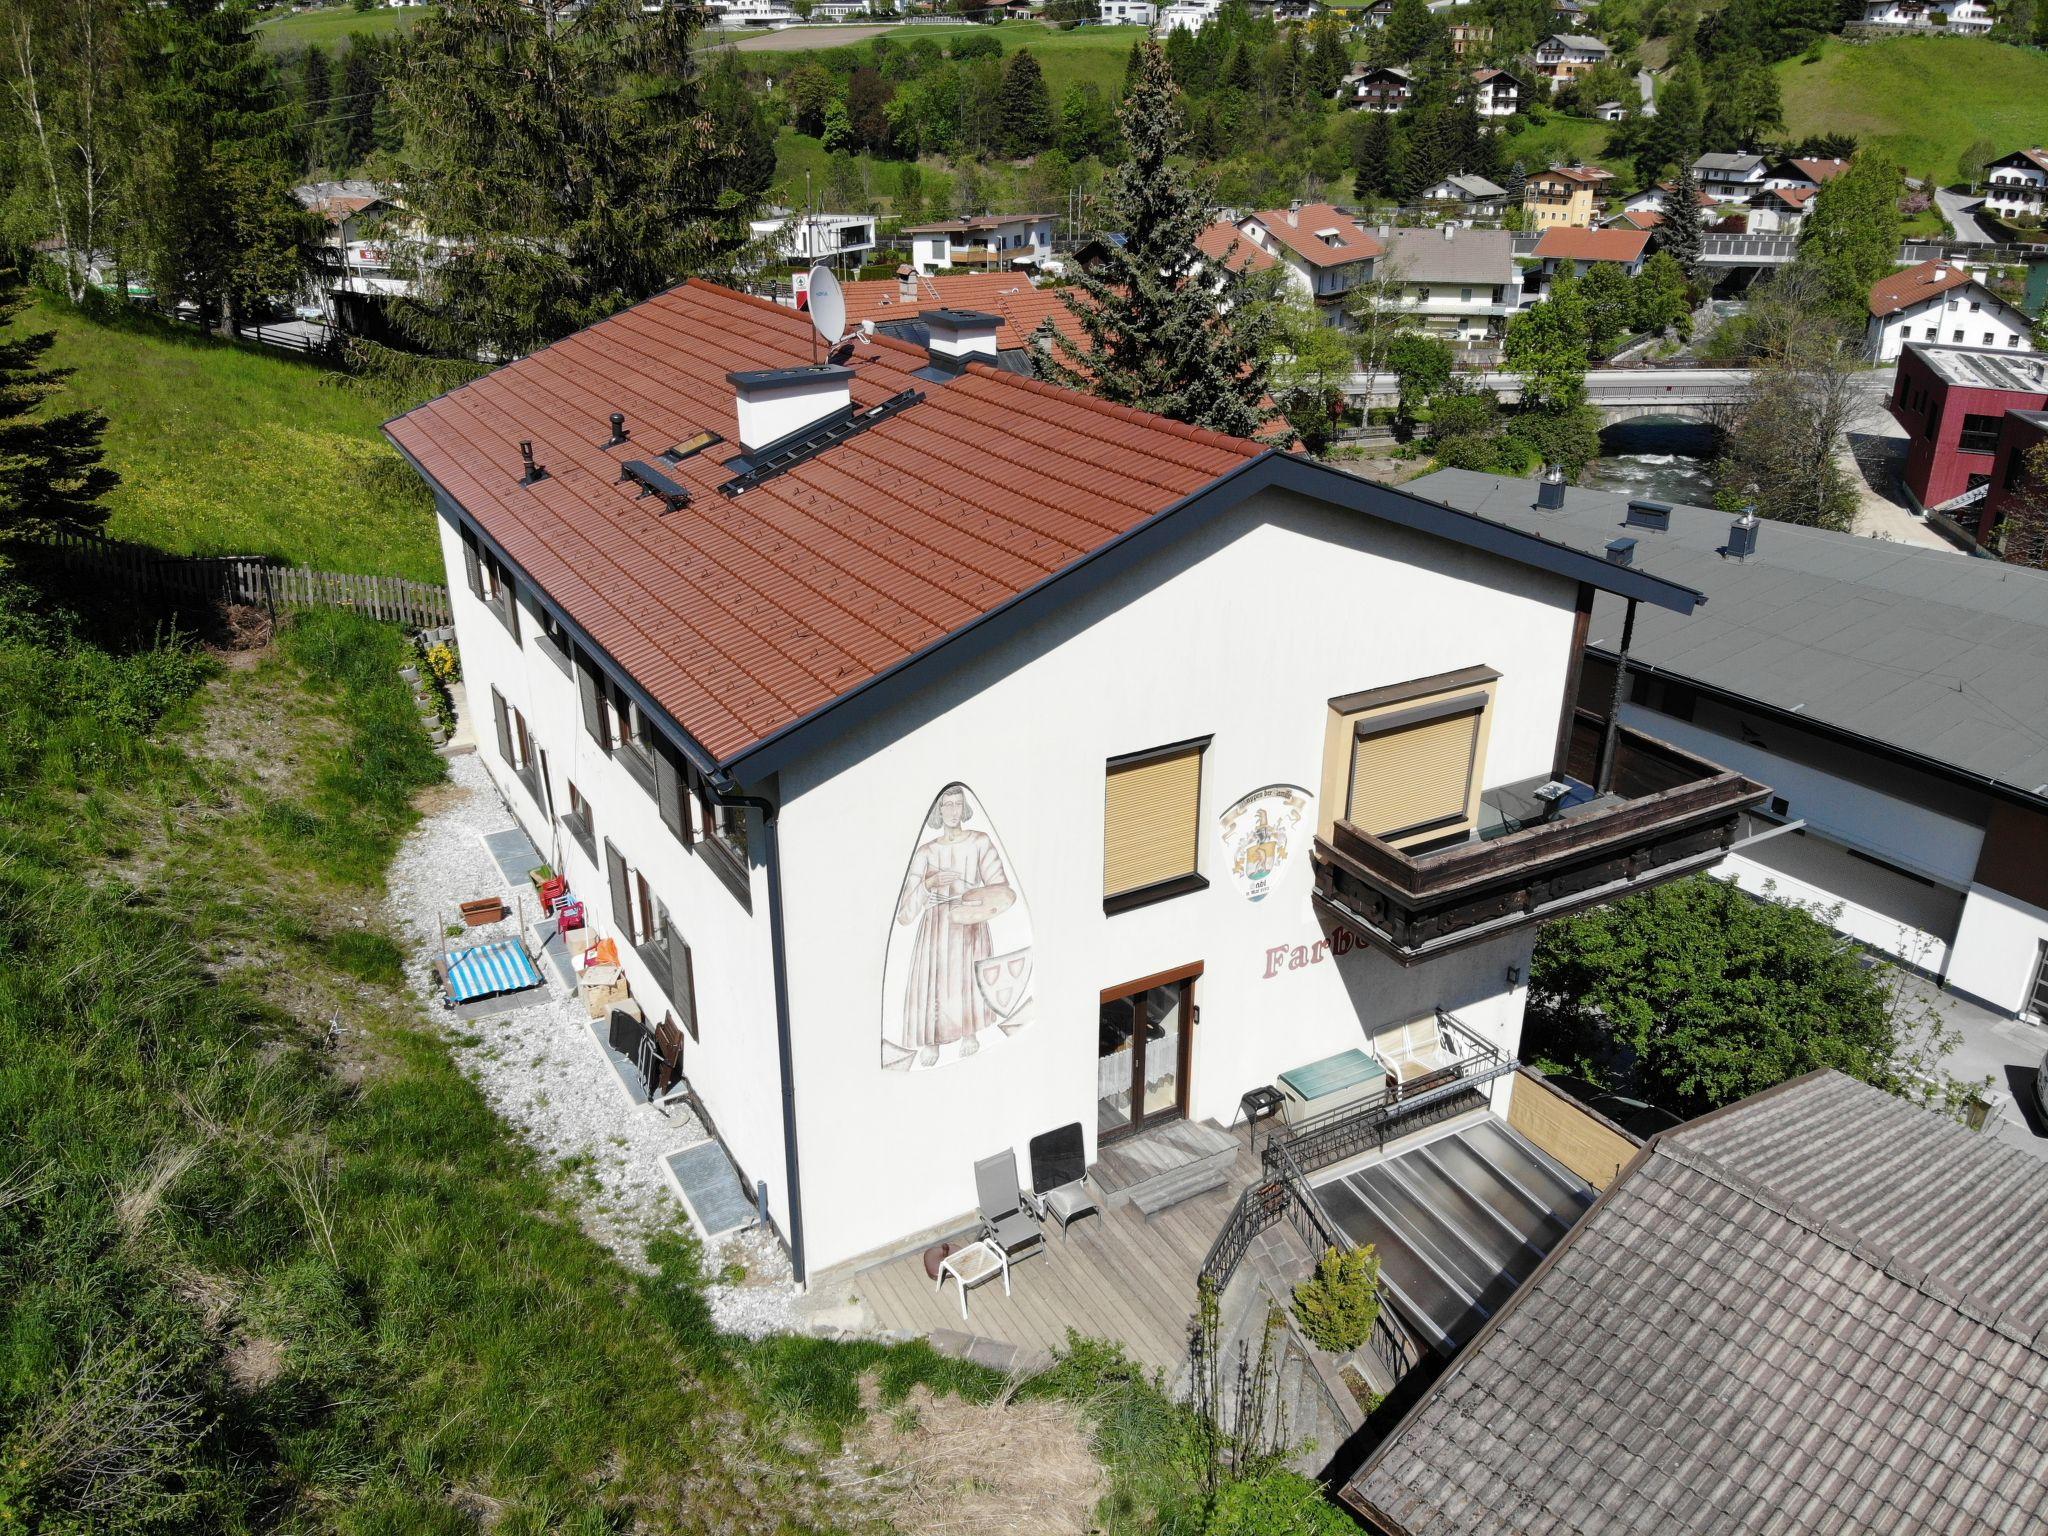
(1324, 251)
(1376, 88)
(895, 306)
(1941, 301)
(935, 746)
(1567, 248)
(1779, 210)
(1496, 93)
(1820, 1309)
(1563, 194)
(987, 241)
(2016, 185)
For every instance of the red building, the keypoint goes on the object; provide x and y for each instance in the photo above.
(1953, 403)
(2018, 435)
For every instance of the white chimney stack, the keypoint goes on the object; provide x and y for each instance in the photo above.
(775, 403)
(960, 337)
(1941, 274)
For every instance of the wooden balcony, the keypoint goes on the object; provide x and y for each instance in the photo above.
(1666, 814)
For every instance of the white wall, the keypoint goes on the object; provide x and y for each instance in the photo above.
(733, 1064)
(1997, 948)
(1946, 314)
(1269, 612)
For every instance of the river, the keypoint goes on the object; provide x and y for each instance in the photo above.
(1659, 458)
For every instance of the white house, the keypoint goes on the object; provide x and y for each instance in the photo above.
(1968, 18)
(1803, 174)
(1610, 112)
(1731, 178)
(1186, 16)
(990, 241)
(1496, 93)
(1780, 210)
(1941, 301)
(1564, 56)
(1920, 806)
(956, 758)
(1470, 194)
(1325, 253)
(1128, 13)
(1459, 284)
(2016, 185)
(753, 13)
(810, 237)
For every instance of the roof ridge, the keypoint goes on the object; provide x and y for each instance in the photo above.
(1871, 1252)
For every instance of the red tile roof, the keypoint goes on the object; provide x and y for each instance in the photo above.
(740, 616)
(1819, 171)
(1792, 197)
(1902, 290)
(1569, 243)
(1007, 295)
(1224, 242)
(1592, 175)
(1647, 218)
(1355, 242)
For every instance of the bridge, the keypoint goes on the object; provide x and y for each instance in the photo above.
(1618, 394)
(1718, 250)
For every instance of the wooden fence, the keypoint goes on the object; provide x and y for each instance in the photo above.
(261, 581)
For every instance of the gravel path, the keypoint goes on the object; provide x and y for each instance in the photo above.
(543, 1074)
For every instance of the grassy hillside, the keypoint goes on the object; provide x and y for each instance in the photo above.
(1560, 140)
(1923, 100)
(1086, 53)
(331, 27)
(227, 449)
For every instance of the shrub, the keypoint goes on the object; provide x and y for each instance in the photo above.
(1338, 1305)
(1276, 1504)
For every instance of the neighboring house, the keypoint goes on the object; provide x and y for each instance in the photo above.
(1376, 88)
(1564, 56)
(768, 678)
(1610, 111)
(896, 307)
(2016, 185)
(1779, 210)
(1965, 18)
(1569, 12)
(1941, 301)
(1186, 16)
(1129, 13)
(368, 251)
(1891, 695)
(2022, 434)
(1469, 37)
(1460, 284)
(1802, 174)
(1470, 194)
(1807, 1312)
(1651, 199)
(1224, 242)
(753, 13)
(1324, 251)
(808, 237)
(1731, 178)
(1644, 220)
(1563, 194)
(1567, 248)
(1374, 15)
(992, 240)
(1953, 401)
(1496, 93)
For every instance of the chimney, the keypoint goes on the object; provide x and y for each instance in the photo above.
(959, 337)
(906, 284)
(1742, 536)
(1654, 515)
(1621, 551)
(1294, 215)
(1450, 231)
(1550, 489)
(775, 403)
(1941, 274)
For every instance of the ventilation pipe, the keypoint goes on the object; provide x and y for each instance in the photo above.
(1742, 536)
(775, 403)
(1550, 489)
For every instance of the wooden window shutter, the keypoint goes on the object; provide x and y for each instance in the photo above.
(1150, 821)
(503, 719)
(590, 688)
(1413, 771)
(509, 595)
(669, 791)
(622, 895)
(472, 564)
(682, 979)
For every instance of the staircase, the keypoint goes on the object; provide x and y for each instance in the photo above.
(1158, 1168)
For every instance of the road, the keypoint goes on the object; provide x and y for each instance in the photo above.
(1958, 208)
(1646, 83)
(797, 39)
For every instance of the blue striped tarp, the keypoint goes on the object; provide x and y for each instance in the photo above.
(488, 969)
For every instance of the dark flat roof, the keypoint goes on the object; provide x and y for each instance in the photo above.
(1922, 651)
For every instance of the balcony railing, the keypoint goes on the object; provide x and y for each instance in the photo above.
(1666, 813)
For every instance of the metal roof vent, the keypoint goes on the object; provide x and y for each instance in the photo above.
(1742, 536)
(532, 472)
(959, 337)
(774, 403)
(619, 429)
(1654, 515)
(1550, 489)
(1621, 551)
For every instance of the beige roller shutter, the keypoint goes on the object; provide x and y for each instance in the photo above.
(1149, 821)
(1414, 776)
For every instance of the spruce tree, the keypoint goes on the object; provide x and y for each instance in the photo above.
(1681, 232)
(1164, 328)
(1373, 156)
(220, 228)
(1026, 106)
(316, 97)
(558, 149)
(355, 111)
(52, 474)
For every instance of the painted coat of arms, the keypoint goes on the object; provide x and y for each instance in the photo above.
(1260, 832)
(957, 975)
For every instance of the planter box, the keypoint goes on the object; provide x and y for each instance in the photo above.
(486, 909)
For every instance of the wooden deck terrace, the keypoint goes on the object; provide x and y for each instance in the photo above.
(1121, 1276)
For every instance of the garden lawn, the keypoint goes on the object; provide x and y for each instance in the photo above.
(1086, 53)
(331, 27)
(1922, 100)
(229, 449)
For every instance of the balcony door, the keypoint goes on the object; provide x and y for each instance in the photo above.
(1143, 1051)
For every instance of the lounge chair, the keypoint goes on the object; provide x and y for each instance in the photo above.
(1003, 1218)
(1059, 1178)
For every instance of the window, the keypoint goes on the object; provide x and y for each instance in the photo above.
(581, 822)
(1975, 306)
(2015, 470)
(1957, 335)
(1404, 763)
(515, 744)
(551, 639)
(490, 583)
(1151, 825)
(1980, 434)
(1990, 338)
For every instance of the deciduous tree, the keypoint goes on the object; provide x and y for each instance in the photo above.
(1851, 235)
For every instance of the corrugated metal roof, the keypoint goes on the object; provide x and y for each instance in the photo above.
(741, 615)
(1919, 650)
(1819, 1311)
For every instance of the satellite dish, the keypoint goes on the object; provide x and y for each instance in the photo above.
(828, 306)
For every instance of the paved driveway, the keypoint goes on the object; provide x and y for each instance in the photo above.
(1959, 208)
(2004, 1050)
